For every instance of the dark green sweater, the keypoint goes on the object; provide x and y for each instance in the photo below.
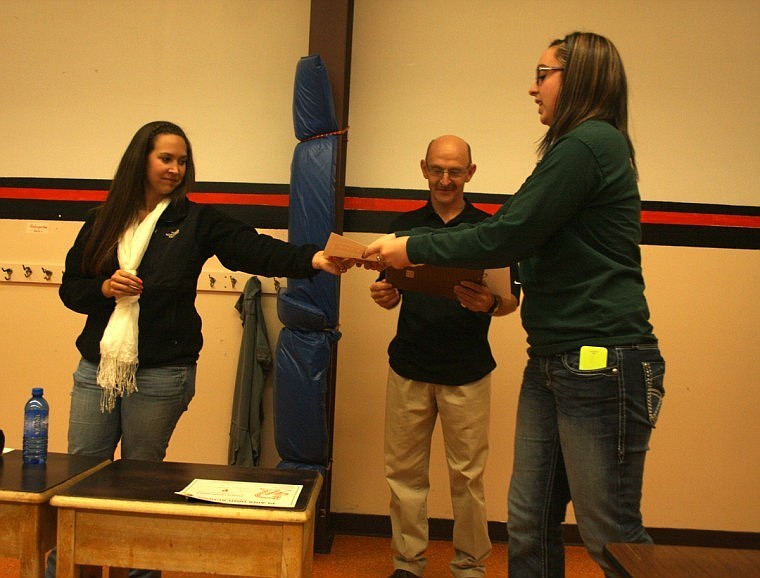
(574, 226)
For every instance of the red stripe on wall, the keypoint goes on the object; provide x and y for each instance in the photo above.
(370, 204)
(99, 196)
(676, 218)
(240, 199)
(382, 205)
(699, 219)
(649, 217)
(52, 194)
(489, 208)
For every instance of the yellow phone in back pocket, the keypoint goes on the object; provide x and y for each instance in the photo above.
(592, 358)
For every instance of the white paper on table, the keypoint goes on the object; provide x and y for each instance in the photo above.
(243, 493)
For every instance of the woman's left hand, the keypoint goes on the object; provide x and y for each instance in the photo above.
(333, 265)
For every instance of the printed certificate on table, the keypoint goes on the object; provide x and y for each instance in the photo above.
(243, 493)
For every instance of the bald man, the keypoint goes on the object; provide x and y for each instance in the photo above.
(440, 365)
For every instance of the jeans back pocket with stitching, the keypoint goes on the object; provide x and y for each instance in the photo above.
(654, 376)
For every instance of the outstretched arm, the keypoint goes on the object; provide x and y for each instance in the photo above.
(390, 251)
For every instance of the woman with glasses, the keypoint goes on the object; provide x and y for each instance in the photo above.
(593, 384)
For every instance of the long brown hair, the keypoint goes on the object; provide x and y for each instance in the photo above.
(594, 86)
(126, 196)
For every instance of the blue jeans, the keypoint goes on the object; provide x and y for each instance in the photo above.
(581, 436)
(143, 421)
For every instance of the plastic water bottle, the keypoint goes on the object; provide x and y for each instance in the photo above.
(36, 413)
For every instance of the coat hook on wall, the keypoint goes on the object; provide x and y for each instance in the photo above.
(47, 274)
(27, 271)
(211, 281)
(233, 281)
(8, 273)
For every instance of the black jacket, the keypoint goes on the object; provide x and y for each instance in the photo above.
(186, 236)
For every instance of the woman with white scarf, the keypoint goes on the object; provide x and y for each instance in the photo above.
(133, 270)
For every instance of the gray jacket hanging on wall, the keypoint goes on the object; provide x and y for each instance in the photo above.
(254, 363)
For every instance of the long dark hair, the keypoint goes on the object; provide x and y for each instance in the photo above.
(126, 195)
(594, 86)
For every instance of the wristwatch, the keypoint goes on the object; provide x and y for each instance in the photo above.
(495, 307)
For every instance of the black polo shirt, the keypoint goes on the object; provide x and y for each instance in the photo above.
(438, 340)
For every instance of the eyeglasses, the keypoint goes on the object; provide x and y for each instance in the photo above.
(437, 172)
(546, 70)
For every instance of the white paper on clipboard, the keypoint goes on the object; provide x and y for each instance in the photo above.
(498, 281)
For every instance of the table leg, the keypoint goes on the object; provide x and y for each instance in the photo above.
(37, 536)
(293, 562)
(65, 567)
(308, 561)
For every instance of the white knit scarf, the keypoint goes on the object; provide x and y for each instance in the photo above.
(118, 347)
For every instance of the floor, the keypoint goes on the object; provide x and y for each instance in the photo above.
(366, 557)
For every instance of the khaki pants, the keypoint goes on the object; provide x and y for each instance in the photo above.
(410, 414)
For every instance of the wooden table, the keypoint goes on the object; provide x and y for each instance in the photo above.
(27, 521)
(661, 561)
(128, 515)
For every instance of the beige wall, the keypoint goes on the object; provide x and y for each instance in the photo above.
(81, 76)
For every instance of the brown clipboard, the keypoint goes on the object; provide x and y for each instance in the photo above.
(432, 279)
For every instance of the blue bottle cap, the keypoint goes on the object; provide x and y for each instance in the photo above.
(36, 391)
